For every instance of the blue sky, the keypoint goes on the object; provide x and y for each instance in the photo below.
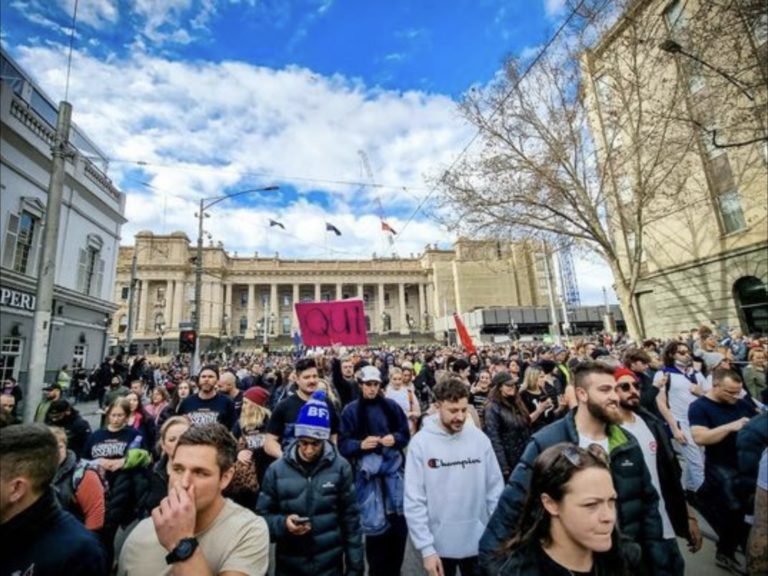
(195, 98)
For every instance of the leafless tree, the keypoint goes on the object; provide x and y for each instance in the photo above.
(590, 146)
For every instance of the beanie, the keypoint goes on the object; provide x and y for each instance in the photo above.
(314, 420)
(621, 371)
(257, 395)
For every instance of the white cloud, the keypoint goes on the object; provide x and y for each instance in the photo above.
(553, 7)
(203, 128)
(95, 13)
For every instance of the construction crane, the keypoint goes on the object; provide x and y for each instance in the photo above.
(379, 207)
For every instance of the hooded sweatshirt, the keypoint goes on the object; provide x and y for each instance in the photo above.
(452, 485)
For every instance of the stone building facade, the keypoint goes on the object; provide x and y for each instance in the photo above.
(252, 299)
(89, 233)
(691, 138)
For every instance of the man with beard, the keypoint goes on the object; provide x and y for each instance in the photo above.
(207, 406)
(677, 518)
(595, 421)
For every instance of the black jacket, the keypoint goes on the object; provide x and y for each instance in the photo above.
(508, 433)
(751, 441)
(527, 560)
(638, 502)
(327, 496)
(347, 389)
(44, 540)
(77, 429)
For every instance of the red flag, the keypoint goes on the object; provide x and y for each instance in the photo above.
(461, 330)
(387, 228)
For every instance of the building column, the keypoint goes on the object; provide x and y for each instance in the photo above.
(251, 332)
(404, 329)
(294, 301)
(360, 293)
(380, 309)
(178, 304)
(317, 292)
(228, 308)
(168, 308)
(274, 309)
(421, 320)
(141, 312)
(338, 291)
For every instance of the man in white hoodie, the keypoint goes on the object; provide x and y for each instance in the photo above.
(452, 484)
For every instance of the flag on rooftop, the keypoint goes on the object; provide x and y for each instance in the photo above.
(387, 228)
(331, 228)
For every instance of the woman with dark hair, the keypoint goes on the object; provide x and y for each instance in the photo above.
(475, 367)
(568, 524)
(168, 436)
(180, 391)
(680, 385)
(141, 421)
(507, 423)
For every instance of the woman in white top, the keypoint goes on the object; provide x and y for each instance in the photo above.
(404, 397)
(679, 385)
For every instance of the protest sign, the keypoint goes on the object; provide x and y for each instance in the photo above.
(336, 322)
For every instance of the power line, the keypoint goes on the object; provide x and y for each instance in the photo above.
(284, 178)
(496, 110)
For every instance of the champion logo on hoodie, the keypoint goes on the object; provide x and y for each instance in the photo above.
(440, 463)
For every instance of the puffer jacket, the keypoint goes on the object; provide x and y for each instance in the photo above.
(638, 513)
(326, 495)
(507, 433)
(751, 441)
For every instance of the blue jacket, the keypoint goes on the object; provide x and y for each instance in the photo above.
(638, 502)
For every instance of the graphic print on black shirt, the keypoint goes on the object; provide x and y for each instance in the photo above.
(284, 417)
(106, 444)
(217, 409)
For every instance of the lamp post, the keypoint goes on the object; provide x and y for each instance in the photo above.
(673, 47)
(205, 204)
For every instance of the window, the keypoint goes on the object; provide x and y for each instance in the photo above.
(243, 299)
(286, 324)
(730, 211)
(751, 298)
(79, 356)
(122, 324)
(264, 299)
(760, 30)
(21, 241)
(91, 272)
(405, 293)
(386, 298)
(366, 299)
(125, 292)
(10, 357)
(676, 17)
(160, 296)
(286, 300)
(243, 324)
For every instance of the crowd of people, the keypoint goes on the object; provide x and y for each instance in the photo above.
(519, 459)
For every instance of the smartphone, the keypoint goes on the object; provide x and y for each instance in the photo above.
(301, 520)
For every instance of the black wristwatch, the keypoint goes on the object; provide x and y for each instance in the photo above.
(183, 551)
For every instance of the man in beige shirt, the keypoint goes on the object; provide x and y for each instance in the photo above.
(195, 530)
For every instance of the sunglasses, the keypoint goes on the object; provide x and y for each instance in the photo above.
(578, 456)
(625, 386)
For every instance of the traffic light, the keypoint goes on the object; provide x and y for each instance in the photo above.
(187, 340)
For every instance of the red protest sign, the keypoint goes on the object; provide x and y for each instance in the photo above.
(329, 323)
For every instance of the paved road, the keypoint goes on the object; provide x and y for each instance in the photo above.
(700, 564)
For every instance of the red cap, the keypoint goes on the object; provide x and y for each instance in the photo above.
(621, 371)
(257, 395)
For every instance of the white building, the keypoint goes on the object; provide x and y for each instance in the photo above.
(89, 232)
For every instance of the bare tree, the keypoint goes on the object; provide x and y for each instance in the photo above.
(591, 146)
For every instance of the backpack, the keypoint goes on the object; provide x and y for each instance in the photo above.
(65, 491)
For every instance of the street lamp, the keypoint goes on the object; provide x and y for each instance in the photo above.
(673, 47)
(205, 204)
